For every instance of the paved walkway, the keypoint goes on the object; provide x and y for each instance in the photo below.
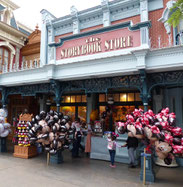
(80, 172)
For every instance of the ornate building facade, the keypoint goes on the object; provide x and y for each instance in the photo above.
(12, 37)
(120, 49)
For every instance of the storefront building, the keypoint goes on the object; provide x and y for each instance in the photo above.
(119, 49)
(13, 36)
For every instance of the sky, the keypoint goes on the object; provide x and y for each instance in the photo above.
(29, 11)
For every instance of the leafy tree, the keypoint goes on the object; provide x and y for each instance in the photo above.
(177, 13)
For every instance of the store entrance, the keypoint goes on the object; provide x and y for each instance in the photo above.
(124, 102)
(16, 106)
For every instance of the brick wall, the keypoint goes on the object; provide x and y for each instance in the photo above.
(158, 28)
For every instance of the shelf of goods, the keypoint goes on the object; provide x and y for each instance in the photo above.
(23, 148)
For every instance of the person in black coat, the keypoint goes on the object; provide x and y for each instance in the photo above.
(131, 144)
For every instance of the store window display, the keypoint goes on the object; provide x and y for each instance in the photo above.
(123, 103)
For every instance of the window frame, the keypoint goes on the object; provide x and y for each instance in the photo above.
(3, 57)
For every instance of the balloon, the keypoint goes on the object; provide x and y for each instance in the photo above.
(4, 126)
(55, 118)
(177, 141)
(50, 122)
(42, 114)
(52, 131)
(37, 118)
(60, 115)
(156, 130)
(33, 139)
(1, 128)
(51, 113)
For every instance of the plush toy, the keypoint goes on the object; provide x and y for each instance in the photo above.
(4, 127)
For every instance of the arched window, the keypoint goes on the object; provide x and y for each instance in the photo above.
(4, 59)
(178, 32)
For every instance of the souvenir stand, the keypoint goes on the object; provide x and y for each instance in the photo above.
(23, 149)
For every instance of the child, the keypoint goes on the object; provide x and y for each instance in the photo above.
(112, 148)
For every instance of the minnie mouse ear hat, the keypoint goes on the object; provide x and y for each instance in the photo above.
(114, 134)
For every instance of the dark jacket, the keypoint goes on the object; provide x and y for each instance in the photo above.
(132, 142)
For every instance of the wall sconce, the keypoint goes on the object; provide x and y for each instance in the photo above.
(48, 102)
(110, 100)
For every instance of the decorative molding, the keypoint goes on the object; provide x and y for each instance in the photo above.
(12, 52)
(47, 17)
(173, 78)
(125, 14)
(106, 13)
(31, 49)
(144, 32)
(9, 46)
(26, 28)
(10, 37)
(168, 51)
(102, 30)
(165, 16)
(101, 85)
(33, 45)
(144, 10)
(29, 90)
(91, 21)
(141, 58)
(10, 4)
(17, 58)
(75, 20)
(91, 17)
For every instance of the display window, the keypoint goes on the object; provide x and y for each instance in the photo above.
(124, 103)
(73, 106)
(121, 97)
(82, 113)
(68, 110)
(74, 99)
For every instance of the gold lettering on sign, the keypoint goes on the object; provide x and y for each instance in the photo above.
(62, 53)
(130, 41)
(111, 44)
(94, 45)
(123, 42)
(106, 45)
(116, 43)
(98, 47)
